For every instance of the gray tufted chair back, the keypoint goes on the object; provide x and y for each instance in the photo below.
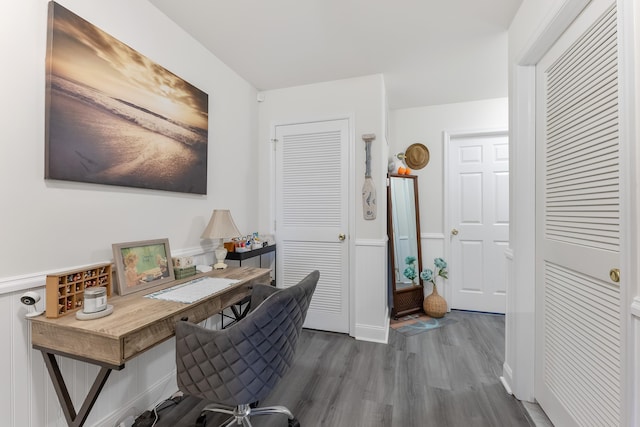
(243, 363)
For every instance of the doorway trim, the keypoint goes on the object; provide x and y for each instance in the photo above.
(447, 137)
(519, 364)
(351, 215)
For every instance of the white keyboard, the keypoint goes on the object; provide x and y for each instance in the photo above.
(193, 290)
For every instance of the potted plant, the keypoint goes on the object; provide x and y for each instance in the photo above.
(435, 305)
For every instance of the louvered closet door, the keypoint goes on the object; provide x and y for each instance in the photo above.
(578, 325)
(311, 215)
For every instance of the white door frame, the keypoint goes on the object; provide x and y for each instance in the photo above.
(520, 324)
(351, 195)
(447, 137)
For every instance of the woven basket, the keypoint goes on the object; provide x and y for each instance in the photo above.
(434, 305)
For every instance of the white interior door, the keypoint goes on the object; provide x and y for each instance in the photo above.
(478, 181)
(312, 216)
(578, 325)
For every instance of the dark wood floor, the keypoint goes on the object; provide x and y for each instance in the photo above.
(444, 377)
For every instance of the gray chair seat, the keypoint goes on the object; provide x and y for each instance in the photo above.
(240, 365)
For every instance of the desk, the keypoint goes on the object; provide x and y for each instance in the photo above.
(136, 325)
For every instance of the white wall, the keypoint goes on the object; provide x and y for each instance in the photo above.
(363, 100)
(426, 125)
(50, 226)
(53, 224)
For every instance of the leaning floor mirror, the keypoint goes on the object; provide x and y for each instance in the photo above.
(403, 228)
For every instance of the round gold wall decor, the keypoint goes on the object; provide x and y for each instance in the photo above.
(416, 156)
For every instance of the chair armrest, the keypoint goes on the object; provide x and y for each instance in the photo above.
(259, 293)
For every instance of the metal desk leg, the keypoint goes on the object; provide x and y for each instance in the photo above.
(73, 419)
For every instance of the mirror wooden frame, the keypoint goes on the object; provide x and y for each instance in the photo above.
(406, 300)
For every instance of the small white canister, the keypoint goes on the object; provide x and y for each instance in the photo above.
(95, 299)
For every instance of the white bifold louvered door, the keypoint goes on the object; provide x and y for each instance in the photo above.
(578, 324)
(312, 216)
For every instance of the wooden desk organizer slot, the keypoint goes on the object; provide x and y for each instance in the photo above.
(65, 290)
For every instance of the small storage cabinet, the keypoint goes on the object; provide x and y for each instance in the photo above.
(65, 290)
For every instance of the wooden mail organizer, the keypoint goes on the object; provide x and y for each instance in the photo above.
(136, 324)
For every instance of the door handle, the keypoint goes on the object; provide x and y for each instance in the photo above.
(454, 231)
(614, 274)
(341, 237)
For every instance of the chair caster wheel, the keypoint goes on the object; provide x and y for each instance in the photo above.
(202, 420)
(294, 423)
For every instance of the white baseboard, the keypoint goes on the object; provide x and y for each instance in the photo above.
(506, 385)
(372, 333)
(507, 378)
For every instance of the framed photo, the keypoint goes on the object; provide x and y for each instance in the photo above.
(142, 265)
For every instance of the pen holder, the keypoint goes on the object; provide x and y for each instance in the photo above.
(95, 299)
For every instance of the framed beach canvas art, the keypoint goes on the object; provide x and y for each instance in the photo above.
(115, 117)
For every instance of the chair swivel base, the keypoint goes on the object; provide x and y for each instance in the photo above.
(240, 415)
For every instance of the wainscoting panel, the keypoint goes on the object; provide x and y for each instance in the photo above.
(371, 308)
(27, 397)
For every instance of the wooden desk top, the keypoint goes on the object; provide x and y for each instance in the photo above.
(137, 323)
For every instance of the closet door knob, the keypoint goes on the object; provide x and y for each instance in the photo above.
(454, 231)
(614, 274)
(341, 237)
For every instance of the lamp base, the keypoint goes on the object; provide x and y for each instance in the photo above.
(221, 254)
(219, 266)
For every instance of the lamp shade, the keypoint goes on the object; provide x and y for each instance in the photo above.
(221, 226)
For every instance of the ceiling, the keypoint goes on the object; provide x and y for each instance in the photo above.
(429, 51)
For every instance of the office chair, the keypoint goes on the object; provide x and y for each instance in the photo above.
(236, 367)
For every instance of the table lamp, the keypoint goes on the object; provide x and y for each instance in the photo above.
(221, 226)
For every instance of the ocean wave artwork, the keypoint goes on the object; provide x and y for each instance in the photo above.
(115, 117)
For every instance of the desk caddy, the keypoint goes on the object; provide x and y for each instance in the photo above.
(65, 290)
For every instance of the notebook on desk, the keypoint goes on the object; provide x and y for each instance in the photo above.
(193, 290)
